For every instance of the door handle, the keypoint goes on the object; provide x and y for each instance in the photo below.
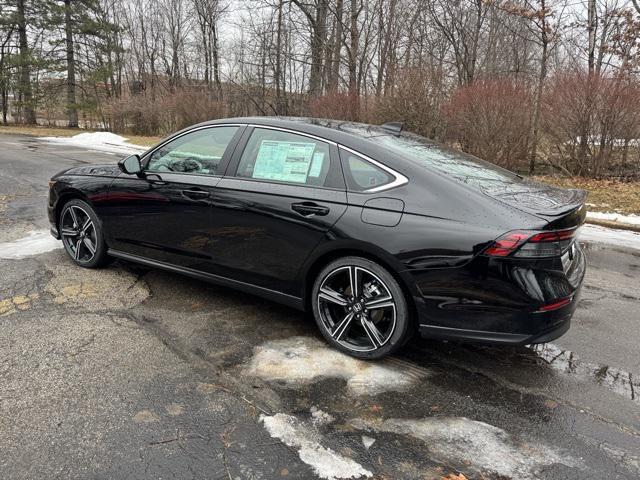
(309, 208)
(195, 194)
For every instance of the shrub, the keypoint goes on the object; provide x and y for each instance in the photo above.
(491, 119)
(592, 122)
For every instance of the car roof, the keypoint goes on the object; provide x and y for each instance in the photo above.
(338, 131)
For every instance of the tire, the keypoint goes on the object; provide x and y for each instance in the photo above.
(370, 325)
(81, 233)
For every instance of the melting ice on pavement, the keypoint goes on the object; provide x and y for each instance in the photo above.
(34, 243)
(299, 360)
(483, 447)
(610, 236)
(305, 438)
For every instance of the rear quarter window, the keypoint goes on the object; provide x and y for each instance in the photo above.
(362, 175)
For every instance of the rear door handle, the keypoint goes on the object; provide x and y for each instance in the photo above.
(309, 208)
(195, 193)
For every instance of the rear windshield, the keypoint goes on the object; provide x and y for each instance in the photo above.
(423, 152)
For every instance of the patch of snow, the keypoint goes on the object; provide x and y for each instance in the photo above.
(610, 236)
(35, 243)
(325, 462)
(101, 141)
(615, 217)
(483, 447)
(320, 417)
(304, 360)
(367, 441)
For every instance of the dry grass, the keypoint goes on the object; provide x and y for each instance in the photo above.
(604, 195)
(143, 141)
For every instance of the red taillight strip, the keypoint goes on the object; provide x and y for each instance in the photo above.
(511, 241)
(549, 307)
(554, 236)
(507, 244)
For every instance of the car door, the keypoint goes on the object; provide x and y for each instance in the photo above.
(164, 213)
(282, 194)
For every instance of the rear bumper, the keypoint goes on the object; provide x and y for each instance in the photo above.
(495, 338)
(508, 302)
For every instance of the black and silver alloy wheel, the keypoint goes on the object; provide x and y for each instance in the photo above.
(78, 233)
(81, 235)
(360, 308)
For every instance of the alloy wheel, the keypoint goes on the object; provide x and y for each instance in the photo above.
(357, 308)
(78, 234)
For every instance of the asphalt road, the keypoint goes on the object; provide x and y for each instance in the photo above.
(128, 372)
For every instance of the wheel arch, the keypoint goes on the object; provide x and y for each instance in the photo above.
(64, 197)
(323, 258)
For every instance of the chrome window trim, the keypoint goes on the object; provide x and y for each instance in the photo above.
(399, 178)
(296, 132)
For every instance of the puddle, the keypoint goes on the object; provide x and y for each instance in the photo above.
(565, 361)
(482, 447)
(35, 243)
(303, 360)
(305, 438)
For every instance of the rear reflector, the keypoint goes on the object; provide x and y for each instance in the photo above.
(555, 305)
(532, 244)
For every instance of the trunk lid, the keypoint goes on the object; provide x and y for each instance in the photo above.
(544, 201)
(535, 197)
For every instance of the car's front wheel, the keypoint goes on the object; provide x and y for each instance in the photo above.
(81, 234)
(360, 308)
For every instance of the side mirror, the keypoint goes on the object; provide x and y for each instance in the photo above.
(130, 164)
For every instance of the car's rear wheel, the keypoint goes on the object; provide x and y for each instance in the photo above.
(360, 308)
(81, 234)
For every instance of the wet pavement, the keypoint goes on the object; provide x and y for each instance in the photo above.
(128, 372)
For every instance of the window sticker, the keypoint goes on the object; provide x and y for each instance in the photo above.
(283, 161)
(316, 164)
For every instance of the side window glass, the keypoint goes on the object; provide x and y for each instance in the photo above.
(197, 152)
(285, 157)
(362, 175)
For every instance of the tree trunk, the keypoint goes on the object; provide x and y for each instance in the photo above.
(214, 59)
(353, 60)
(24, 85)
(538, 102)
(585, 131)
(334, 75)
(318, 38)
(72, 109)
(278, 67)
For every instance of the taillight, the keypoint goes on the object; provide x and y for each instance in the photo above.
(507, 244)
(532, 244)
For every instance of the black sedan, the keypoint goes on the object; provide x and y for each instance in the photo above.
(380, 233)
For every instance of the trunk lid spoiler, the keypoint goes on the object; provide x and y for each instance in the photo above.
(544, 201)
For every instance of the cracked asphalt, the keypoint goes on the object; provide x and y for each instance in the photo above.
(128, 372)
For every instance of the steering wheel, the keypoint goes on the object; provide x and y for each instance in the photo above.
(188, 164)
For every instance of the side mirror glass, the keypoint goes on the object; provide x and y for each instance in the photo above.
(130, 164)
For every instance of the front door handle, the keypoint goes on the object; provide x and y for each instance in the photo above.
(195, 194)
(309, 208)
